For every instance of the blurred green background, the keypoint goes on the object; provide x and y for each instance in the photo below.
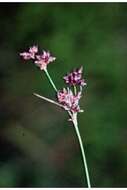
(38, 146)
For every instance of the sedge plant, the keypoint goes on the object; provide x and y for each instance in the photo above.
(67, 98)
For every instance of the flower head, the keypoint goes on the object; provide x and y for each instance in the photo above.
(69, 101)
(30, 54)
(33, 49)
(75, 77)
(44, 59)
(41, 60)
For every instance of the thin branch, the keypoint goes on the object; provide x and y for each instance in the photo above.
(52, 101)
(50, 80)
(48, 100)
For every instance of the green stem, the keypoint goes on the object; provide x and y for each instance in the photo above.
(82, 150)
(75, 90)
(52, 83)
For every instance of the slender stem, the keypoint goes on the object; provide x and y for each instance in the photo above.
(51, 81)
(82, 150)
(48, 100)
(75, 90)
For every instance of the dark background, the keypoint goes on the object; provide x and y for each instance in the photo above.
(38, 146)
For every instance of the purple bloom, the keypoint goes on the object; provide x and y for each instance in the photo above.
(30, 54)
(75, 77)
(44, 59)
(69, 100)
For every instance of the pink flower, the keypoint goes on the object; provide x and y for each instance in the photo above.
(75, 77)
(41, 60)
(25, 55)
(33, 49)
(69, 100)
(30, 54)
(44, 59)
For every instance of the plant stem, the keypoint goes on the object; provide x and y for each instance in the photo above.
(75, 90)
(48, 100)
(51, 81)
(74, 119)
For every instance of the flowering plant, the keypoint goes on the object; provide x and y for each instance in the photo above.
(67, 98)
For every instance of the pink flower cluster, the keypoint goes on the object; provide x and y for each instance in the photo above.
(41, 60)
(44, 59)
(66, 97)
(30, 54)
(69, 101)
(75, 77)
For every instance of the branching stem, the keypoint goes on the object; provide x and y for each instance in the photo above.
(48, 100)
